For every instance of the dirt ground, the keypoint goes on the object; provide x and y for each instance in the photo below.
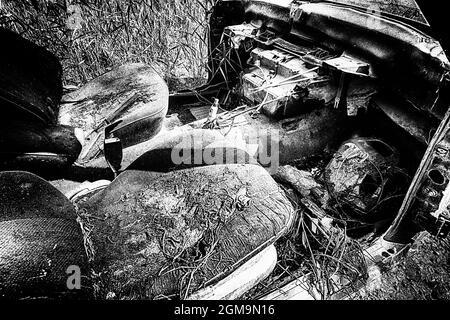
(423, 275)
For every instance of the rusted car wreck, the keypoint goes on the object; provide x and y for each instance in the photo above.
(323, 125)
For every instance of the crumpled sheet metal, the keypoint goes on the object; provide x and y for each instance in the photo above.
(359, 171)
(160, 235)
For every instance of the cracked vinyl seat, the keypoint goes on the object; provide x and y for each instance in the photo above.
(144, 234)
(40, 240)
(40, 131)
(30, 92)
(170, 234)
(131, 101)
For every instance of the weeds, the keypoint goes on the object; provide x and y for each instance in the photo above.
(90, 37)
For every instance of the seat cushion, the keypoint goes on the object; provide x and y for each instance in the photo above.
(40, 240)
(133, 97)
(21, 140)
(168, 234)
(30, 94)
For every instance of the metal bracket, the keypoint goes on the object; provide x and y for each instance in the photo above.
(341, 95)
(443, 226)
(439, 227)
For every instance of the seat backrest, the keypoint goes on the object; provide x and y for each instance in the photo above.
(30, 79)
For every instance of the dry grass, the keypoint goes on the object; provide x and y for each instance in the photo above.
(332, 264)
(424, 274)
(92, 36)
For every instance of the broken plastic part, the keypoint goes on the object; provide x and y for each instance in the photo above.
(113, 154)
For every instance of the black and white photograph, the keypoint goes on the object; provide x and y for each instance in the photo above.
(236, 152)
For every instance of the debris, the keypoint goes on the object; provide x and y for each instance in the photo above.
(276, 77)
(211, 121)
(201, 113)
(242, 200)
(303, 182)
(364, 180)
(348, 65)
